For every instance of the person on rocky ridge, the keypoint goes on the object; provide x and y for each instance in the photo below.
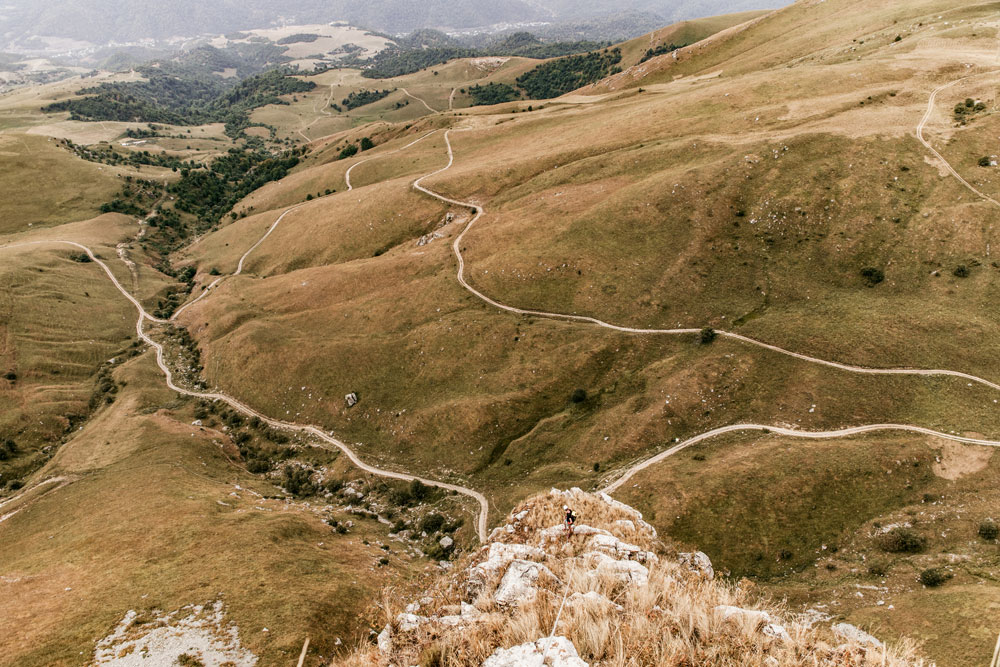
(570, 520)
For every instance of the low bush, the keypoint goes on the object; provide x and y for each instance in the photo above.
(988, 530)
(872, 276)
(934, 576)
(902, 540)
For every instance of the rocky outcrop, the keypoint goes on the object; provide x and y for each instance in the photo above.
(533, 578)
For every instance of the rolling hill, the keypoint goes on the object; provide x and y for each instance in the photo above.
(744, 285)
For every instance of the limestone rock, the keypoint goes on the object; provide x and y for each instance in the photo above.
(518, 583)
(626, 571)
(500, 555)
(698, 562)
(385, 640)
(615, 547)
(546, 652)
(856, 634)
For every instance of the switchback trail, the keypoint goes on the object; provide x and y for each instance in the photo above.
(630, 472)
(311, 430)
(457, 248)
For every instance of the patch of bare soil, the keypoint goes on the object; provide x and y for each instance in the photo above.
(957, 460)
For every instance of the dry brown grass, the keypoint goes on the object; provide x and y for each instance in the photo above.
(671, 621)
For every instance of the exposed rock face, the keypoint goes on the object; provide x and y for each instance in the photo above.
(546, 652)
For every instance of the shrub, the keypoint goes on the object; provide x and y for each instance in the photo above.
(984, 161)
(707, 335)
(934, 576)
(351, 149)
(961, 271)
(367, 144)
(432, 523)
(578, 395)
(10, 376)
(902, 540)
(419, 490)
(872, 275)
(877, 569)
(297, 481)
(988, 530)
(214, 272)
(383, 561)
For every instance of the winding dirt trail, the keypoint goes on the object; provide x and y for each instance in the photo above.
(274, 225)
(856, 430)
(927, 145)
(429, 107)
(322, 111)
(456, 247)
(315, 431)
(792, 433)
(482, 519)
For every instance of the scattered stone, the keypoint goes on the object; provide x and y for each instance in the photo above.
(407, 621)
(500, 555)
(446, 542)
(352, 399)
(619, 549)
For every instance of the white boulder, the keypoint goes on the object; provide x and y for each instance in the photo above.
(546, 652)
(385, 640)
(698, 562)
(855, 634)
(615, 547)
(500, 555)
(518, 583)
(625, 571)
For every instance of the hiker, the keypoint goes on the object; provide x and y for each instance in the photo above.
(570, 519)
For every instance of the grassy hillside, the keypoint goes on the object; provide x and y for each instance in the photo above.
(766, 181)
(171, 520)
